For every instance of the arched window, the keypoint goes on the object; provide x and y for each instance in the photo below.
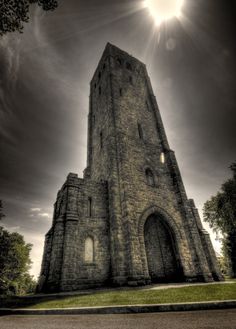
(140, 131)
(149, 177)
(89, 250)
(90, 207)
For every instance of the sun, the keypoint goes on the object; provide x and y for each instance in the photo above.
(162, 10)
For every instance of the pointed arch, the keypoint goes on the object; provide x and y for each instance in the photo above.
(158, 210)
(168, 222)
(89, 250)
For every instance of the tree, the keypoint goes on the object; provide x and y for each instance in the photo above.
(220, 213)
(14, 263)
(14, 13)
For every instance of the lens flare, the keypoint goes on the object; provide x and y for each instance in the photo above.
(162, 10)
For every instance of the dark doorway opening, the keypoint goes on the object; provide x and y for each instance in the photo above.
(162, 258)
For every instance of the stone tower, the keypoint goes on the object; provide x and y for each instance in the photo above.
(128, 221)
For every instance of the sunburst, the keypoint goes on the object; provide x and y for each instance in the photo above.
(162, 10)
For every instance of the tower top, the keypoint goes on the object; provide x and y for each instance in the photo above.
(114, 51)
(111, 49)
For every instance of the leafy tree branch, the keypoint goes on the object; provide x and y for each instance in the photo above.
(14, 13)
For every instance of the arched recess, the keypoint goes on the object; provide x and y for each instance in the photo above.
(158, 236)
(89, 250)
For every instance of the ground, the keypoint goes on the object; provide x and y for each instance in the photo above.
(220, 319)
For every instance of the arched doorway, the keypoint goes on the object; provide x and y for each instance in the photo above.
(161, 253)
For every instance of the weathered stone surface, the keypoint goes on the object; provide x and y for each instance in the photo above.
(131, 204)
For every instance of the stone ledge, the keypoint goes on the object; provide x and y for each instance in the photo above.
(124, 309)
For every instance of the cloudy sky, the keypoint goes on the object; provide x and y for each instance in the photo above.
(44, 88)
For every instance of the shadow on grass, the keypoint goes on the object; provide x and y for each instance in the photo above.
(35, 299)
(125, 296)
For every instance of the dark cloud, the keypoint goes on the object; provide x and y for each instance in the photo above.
(44, 88)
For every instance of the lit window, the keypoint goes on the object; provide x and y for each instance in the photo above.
(162, 157)
(89, 250)
(150, 177)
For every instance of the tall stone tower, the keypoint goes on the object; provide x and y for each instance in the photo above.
(128, 221)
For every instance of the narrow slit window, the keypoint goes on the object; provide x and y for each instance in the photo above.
(162, 157)
(119, 62)
(150, 177)
(128, 66)
(120, 91)
(90, 207)
(99, 75)
(89, 250)
(140, 131)
(101, 140)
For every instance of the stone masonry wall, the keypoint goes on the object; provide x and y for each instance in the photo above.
(98, 234)
(67, 268)
(138, 143)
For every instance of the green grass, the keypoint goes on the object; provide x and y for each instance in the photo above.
(132, 297)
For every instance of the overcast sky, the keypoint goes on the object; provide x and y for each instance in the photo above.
(44, 88)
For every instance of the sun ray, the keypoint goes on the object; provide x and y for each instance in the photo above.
(162, 10)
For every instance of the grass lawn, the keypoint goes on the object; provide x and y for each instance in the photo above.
(206, 292)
